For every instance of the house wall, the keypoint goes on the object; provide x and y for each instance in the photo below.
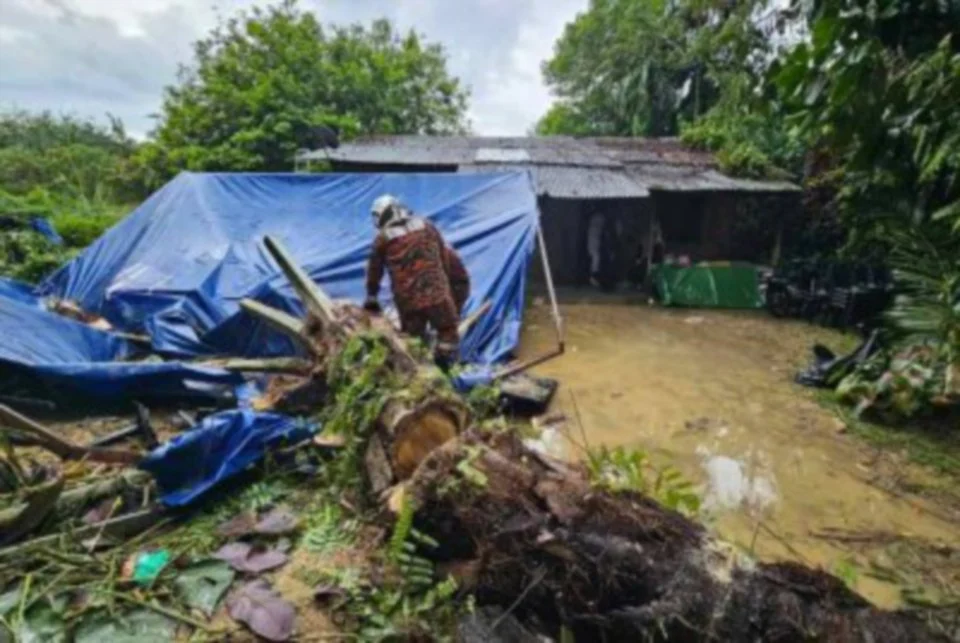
(737, 226)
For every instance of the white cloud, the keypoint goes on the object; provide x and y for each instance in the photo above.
(90, 57)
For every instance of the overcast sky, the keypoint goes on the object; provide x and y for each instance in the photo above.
(89, 57)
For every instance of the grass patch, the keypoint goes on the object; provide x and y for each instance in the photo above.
(932, 445)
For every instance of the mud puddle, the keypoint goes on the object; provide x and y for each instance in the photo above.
(712, 394)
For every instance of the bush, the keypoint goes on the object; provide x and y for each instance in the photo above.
(70, 171)
(77, 171)
(28, 256)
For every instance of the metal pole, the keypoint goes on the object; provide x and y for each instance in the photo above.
(555, 307)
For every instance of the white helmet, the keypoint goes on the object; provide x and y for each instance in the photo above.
(385, 209)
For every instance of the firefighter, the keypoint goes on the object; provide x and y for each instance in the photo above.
(429, 281)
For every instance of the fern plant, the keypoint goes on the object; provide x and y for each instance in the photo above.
(623, 469)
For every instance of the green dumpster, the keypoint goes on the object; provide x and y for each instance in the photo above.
(713, 285)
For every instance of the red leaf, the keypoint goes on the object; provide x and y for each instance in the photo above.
(240, 525)
(277, 522)
(263, 610)
(245, 557)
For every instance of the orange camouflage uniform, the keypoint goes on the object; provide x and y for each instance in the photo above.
(429, 282)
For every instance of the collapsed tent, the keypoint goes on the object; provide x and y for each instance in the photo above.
(179, 264)
(177, 267)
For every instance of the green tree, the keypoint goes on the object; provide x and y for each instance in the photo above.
(878, 84)
(263, 82)
(75, 157)
(642, 67)
(877, 87)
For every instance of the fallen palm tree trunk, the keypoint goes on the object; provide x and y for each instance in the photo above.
(535, 537)
(407, 426)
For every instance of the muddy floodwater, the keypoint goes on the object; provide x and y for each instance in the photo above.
(712, 393)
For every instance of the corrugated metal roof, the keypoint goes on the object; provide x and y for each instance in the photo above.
(690, 178)
(499, 155)
(566, 167)
(668, 150)
(461, 150)
(593, 183)
(562, 182)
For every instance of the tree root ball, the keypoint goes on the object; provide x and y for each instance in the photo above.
(533, 533)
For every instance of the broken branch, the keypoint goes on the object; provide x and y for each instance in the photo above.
(62, 448)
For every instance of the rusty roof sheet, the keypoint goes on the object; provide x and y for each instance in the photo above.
(692, 178)
(669, 151)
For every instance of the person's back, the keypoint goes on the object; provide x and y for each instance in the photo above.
(414, 256)
(428, 279)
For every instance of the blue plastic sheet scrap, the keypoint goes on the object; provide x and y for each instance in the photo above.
(44, 228)
(221, 446)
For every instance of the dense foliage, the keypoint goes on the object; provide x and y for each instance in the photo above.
(263, 83)
(877, 87)
(74, 173)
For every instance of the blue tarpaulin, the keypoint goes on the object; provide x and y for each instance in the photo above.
(18, 291)
(177, 267)
(73, 357)
(221, 446)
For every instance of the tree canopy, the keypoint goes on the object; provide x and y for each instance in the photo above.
(262, 83)
(642, 67)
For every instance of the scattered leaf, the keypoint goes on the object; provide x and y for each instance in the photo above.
(245, 557)
(330, 440)
(42, 623)
(277, 522)
(240, 525)
(138, 626)
(263, 610)
(203, 584)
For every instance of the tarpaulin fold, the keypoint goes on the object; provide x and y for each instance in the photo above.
(18, 291)
(72, 357)
(221, 446)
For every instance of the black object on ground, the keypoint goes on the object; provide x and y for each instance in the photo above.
(526, 395)
(142, 428)
(828, 369)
